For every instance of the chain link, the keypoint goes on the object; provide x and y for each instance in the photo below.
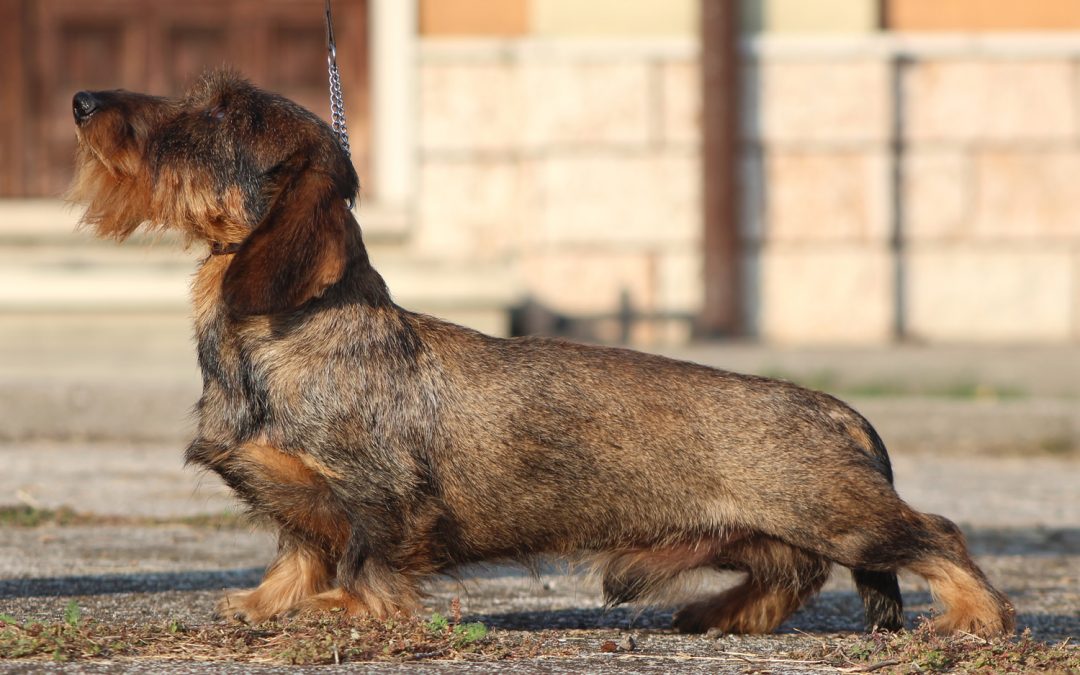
(337, 108)
(337, 104)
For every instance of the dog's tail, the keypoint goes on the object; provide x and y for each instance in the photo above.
(880, 591)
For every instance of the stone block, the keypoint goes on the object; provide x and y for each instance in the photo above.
(1027, 194)
(964, 100)
(472, 209)
(471, 106)
(680, 102)
(586, 103)
(818, 101)
(826, 196)
(938, 187)
(1076, 296)
(990, 294)
(680, 280)
(618, 200)
(825, 294)
(590, 283)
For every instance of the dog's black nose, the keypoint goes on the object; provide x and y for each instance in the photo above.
(84, 105)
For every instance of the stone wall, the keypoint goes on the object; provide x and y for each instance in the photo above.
(925, 184)
(892, 184)
(578, 163)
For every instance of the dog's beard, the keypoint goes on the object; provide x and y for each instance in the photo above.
(116, 204)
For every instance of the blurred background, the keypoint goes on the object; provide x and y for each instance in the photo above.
(901, 169)
(878, 198)
(867, 191)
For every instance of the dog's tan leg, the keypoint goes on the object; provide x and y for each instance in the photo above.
(779, 580)
(359, 602)
(366, 584)
(297, 573)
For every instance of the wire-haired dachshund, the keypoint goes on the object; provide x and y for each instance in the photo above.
(386, 446)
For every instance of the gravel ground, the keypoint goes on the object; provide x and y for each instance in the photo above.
(154, 574)
(1022, 517)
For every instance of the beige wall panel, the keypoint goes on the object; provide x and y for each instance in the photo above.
(811, 16)
(975, 100)
(614, 17)
(990, 294)
(825, 294)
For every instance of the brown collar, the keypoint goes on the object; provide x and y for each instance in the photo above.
(221, 248)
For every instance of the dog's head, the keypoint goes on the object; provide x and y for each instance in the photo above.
(226, 164)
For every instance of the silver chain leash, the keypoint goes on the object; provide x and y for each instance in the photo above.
(337, 104)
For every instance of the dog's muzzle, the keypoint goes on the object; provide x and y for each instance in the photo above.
(84, 105)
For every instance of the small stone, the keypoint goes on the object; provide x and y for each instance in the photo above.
(628, 644)
(608, 647)
(714, 633)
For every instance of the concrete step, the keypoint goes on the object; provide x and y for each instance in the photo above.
(43, 221)
(47, 267)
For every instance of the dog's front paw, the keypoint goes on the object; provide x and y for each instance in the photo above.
(242, 607)
(332, 601)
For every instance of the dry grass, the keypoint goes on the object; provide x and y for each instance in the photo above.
(331, 638)
(922, 650)
(337, 639)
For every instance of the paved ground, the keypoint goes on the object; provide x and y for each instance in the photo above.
(1022, 517)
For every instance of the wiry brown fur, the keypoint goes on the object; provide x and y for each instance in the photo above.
(386, 446)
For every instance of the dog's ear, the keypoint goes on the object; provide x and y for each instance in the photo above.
(298, 249)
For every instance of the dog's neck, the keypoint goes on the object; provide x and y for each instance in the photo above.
(361, 283)
(360, 286)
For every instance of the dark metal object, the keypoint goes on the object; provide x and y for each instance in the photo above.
(722, 313)
(337, 105)
(898, 248)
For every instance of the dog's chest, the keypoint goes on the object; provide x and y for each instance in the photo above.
(235, 399)
(292, 385)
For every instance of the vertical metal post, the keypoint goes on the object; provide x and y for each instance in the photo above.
(722, 313)
(897, 240)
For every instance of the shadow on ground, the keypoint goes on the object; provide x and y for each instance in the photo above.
(502, 597)
(154, 582)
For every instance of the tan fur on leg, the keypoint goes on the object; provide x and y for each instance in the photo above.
(295, 575)
(366, 603)
(748, 608)
(780, 578)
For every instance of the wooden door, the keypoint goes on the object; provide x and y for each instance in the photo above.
(54, 48)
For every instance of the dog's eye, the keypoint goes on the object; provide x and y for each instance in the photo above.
(216, 113)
